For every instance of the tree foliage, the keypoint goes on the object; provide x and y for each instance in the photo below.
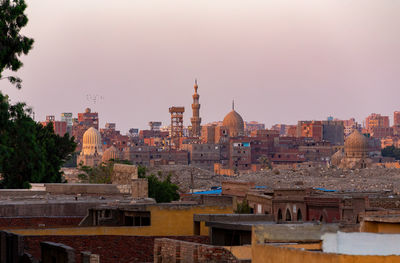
(12, 43)
(100, 174)
(29, 152)
(163, 191)
(391, 151)
(243, 207)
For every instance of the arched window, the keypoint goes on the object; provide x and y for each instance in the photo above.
(299, 215)
(288, 215)
(279, 215)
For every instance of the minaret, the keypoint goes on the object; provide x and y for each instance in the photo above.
(196, 120)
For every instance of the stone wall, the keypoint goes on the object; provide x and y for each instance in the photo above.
(170, 250)
(140, 188)
(111, 249)
(385, 202)
(123, 174)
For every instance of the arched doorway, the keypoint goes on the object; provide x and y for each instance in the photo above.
(299, 215)
(279, 214)
(321, 218)
(288, 215)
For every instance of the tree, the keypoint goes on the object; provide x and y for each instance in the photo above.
(265, 162)
(29, 152)
(163, 191)
(12, 43)
(391, 151)
(100, 174)
(243, 208)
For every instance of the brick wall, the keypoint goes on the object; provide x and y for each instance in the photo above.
(170, 250)
(110, 248)
(387, 203)
(34, 222)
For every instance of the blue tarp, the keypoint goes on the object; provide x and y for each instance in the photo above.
(260, 187)
(211, 192)
(325, 190)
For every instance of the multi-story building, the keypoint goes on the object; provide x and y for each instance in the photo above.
(67, 117)
(60, 127)
(203, 155)
(333, 132)
(111, 137)
(381, 132)
(396, 118)
(376, 120)
(253, 126)
(310, 129)
(239, 154)
(350, 125)
(149, 155)
(281, 128)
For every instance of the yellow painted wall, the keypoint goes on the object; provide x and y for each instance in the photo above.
(241, 252)
(380, 227)
(272, 254)
(165, 221)
(309, 246)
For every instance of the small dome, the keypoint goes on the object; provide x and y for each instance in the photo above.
(111, 153)
(234, 122)
(337, 157)
(91, 142)
(87, 110)
(356, 143)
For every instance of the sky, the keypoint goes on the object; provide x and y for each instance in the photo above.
(280, 60)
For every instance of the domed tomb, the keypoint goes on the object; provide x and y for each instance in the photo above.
(91, 142)
(111, 153)
(356, 145)
(234, 122)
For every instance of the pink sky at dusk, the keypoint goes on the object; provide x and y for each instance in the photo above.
(281, 61)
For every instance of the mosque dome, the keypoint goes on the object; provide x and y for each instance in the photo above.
(356, 145)
(91, 142)
(234, 122)
(110, 153)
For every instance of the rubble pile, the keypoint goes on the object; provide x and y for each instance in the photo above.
(368, 179)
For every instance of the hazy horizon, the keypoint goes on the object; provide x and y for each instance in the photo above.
(281, 61)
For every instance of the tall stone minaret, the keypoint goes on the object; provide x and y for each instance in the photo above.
(196, 120)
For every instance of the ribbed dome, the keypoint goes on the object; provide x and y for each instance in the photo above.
(235, 123)
(91, 142)
(110, 153)
(356, 145)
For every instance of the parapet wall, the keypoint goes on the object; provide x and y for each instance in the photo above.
(45, 209)
(69, 189)
(291, 232)
(39, 221)
(111, 249)
(170, 250)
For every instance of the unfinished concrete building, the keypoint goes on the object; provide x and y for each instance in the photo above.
(176, 125)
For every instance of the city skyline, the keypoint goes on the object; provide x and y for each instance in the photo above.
(306, 62)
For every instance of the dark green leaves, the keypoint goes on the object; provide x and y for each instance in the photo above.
(12, 44)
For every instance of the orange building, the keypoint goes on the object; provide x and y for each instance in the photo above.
(310, 129)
